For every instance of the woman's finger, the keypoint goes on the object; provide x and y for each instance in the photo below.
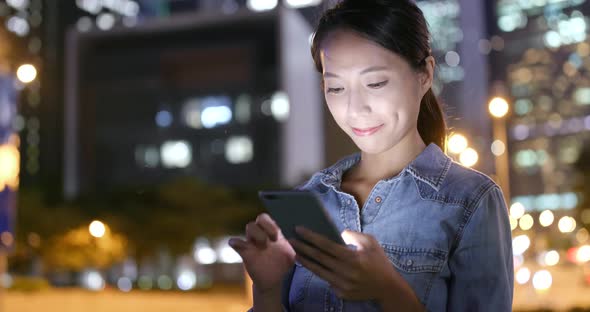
(237, 244)
(268, 225)
(334, 249)
(317, 255)
(256, 235)
(331, 277)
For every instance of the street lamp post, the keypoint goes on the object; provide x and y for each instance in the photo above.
(499, 109)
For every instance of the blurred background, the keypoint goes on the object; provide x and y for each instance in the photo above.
(134, 135)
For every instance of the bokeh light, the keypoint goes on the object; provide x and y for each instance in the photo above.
(513, 223)
(520, 244)
(457, 143)
(517, 210)
(523, 275)
(583, 254)
(97, 229)
(542, 280)
(124, 284)
(498, 107)
(582, 236)
(186, 280)
(526, 222)
(566, 224)
(165, 282)
(498, 148)
(551, 258)
(546, 218)
(469, 157)
(26, 73)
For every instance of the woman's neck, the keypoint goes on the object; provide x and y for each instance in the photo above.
(375, 167)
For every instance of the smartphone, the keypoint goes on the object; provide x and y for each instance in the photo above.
(299, 208)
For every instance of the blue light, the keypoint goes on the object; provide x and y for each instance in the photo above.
(163, 119)
(216, 111)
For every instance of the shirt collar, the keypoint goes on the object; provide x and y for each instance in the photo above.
(430, 166)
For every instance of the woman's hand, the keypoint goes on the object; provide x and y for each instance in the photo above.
(362, 274)
(266, 253)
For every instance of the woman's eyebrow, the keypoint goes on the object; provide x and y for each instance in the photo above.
(364, 71)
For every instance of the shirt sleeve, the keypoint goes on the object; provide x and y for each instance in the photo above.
(482, 272)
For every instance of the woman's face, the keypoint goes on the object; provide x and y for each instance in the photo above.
(373, 94)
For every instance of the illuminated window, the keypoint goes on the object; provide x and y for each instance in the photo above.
(239, 150)
(176, 154)
(216, 111)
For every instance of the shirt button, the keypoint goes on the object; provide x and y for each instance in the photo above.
(348, 202)
(378, 199)
(409, 262)
(332, 309)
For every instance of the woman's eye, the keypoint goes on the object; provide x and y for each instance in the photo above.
(335, 90)
(377, 85)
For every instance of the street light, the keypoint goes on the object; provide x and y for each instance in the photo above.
(10, 160)
(26, 73)
(97, 229)
(499, 109)
(457, 143)
(469, 157)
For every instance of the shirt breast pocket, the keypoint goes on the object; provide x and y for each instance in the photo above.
(418, 266)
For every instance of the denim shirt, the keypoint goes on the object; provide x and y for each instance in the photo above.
(444, 228)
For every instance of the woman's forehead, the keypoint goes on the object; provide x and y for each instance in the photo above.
(346, 49)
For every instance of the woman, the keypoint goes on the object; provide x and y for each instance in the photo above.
(428, 234)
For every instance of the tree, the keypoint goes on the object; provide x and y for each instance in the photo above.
(77, 249)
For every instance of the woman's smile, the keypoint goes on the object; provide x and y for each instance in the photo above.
(366, 131)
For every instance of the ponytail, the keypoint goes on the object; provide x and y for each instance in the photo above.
(431, 121)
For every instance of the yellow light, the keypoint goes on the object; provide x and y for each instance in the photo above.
(542, 280)
(520, 244)
(97, 229)
(552, 258)
(566, 224)
(26, 73)
(516, 210)
(546, 218)
(457, 143)
(583, 254)
(582, 235)
(469, 157)
(523, 275)
(10, 168)
(498, 107)
(526, 222)
(513, 223)
(6, 238)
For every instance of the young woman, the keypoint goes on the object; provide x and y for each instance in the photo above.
(428, 234)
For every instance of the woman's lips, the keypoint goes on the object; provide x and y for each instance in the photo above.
(366, 131)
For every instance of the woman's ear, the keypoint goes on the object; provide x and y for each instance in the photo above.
(427, 74)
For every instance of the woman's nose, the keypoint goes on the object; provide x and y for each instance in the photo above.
(357, 104)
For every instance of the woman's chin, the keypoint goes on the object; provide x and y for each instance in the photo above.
(370, 147)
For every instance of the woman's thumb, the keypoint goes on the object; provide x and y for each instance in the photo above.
(238, 245)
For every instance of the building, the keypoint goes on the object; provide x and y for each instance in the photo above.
(229, 99)
(542, 66)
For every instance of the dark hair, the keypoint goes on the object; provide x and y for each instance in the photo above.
(399, 26)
